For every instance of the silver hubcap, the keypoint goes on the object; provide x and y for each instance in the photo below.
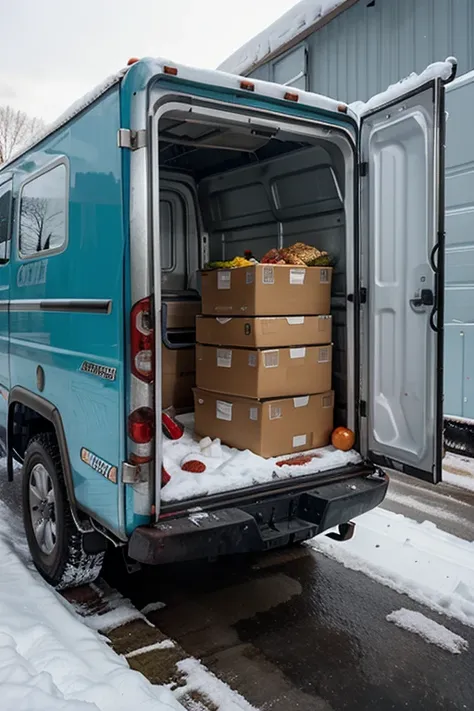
(43, 508)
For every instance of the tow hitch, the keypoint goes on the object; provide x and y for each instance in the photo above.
(346, 531)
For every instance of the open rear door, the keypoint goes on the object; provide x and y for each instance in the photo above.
(402, 268)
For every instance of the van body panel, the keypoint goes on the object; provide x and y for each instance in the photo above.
(67, 342)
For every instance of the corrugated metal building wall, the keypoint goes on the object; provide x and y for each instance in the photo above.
(359, 53)
(374, 44)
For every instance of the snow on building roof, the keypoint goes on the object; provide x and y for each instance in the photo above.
(442, 70)
(293, 23)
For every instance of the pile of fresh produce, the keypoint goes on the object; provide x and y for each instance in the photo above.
(299, 254)
(230, 264)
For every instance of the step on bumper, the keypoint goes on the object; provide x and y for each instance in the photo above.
(270, 523)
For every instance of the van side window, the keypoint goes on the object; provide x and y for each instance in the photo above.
(167, 236)
(5, 219)
(43, 210)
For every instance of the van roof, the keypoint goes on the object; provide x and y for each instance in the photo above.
(156, 67)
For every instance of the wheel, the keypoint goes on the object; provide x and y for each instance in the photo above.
(55, 544)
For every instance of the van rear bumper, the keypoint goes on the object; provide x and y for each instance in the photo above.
(263, 525)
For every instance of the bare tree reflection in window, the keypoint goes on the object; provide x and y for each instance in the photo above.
(43, 211)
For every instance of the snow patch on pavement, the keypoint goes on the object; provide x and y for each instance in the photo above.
(153, 607)
(432, 567)
(49, 660)
(111, 619)
(429, 630)
(458, 471)
(460, 480)
(164, 644)
(420, 506)
(198, 678)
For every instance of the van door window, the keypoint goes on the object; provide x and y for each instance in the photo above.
(43, 213)
(5, 220)
(173, 242)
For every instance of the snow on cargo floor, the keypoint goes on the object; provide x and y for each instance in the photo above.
(229, 469)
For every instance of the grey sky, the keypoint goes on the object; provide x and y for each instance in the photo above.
(53, 51)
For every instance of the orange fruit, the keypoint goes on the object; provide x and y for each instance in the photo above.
(343, 438)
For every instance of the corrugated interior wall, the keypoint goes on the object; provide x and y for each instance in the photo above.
(295, 198)
(366, 48)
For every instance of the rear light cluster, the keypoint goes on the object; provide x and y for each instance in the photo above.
(141, 422)
(142, 341)
(141, 425)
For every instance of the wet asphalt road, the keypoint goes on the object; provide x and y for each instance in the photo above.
(295, 630)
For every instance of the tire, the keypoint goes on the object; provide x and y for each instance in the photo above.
(56, 546)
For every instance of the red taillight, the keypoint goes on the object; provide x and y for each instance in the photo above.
(142, 341)
(141, 425)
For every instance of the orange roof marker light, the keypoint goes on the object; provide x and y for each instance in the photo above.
(132, 60)
(247, 85)
(291, 97)
(170, 70)
(342, 108)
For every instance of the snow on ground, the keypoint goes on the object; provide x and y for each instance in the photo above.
(200, 679)
(430, 566)
(458, 471)
(49, 660)
(228, 469)
(429, 630)
(287, 27)
(442, 70)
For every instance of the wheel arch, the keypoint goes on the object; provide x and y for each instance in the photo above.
(48, 411)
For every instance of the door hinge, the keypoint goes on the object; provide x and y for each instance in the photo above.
(130, 473)
(126, 138)
(363, 169)
(363, 408)
(363, 295)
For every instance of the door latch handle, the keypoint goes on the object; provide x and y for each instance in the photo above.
(424, 297)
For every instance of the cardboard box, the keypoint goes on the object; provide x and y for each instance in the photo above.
(269, 428)
(264, 332)
(181, 314)
(178, 377)
(267, 290)
(278, 372)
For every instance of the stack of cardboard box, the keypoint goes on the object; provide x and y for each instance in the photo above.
(178, 352)
(264, 358)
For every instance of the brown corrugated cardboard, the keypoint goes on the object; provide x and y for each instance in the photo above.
(269, 428)
(267, 290)
(181, 314)
(178, 377)
(263, 332)
(278, 372)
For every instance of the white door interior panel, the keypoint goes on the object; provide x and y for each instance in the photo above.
(400, 232)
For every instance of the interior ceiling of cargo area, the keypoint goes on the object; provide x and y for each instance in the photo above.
(262, 188)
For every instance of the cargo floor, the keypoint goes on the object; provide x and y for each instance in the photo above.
(230, 469)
